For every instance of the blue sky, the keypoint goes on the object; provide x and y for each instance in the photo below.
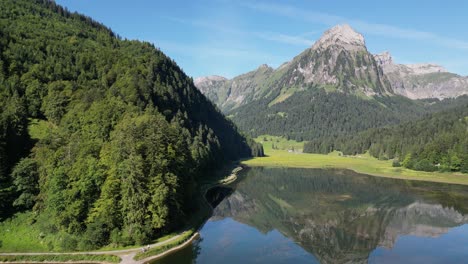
(228, 38)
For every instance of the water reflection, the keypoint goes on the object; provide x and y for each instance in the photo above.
(334, 216)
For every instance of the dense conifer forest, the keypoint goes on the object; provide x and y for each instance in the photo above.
(104, 136)
(317, 114)
(436, 142)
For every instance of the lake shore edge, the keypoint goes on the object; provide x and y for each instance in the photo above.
(363, 165)
(133, 252)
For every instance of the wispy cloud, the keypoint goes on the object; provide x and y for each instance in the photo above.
(299, 40)
(204, 51)
(224, 60)
(366, 27)
(287, 39)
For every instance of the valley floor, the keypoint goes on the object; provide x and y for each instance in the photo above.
(362, 164)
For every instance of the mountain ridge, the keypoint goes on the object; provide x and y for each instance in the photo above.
(422, 80)
(333, 88)
(339, 61)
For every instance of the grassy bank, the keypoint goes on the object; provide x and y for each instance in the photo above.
(158, 250)
(22, 233)
(362, 164)
(204, 212)
(61, 258)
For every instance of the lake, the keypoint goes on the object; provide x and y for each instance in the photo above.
(275, 215)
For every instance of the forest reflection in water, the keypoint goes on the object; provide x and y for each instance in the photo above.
(289, 215)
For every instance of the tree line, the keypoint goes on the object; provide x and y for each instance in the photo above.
(315, 114)
(439, 141)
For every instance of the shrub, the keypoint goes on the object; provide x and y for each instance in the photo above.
(396, 163)
(424, 165)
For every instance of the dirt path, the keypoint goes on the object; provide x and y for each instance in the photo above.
(126, 255)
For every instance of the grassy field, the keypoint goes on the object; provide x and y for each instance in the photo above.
(61, 258)
(279, 143)
(361, 163)
(19, 234)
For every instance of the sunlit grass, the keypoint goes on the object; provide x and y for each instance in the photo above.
(280, 143)
(18, 234)
(360, 163)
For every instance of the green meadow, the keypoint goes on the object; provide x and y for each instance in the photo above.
(288, 153)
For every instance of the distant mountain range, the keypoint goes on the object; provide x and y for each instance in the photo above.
(419, 81)
(338, 61)
(336, 87)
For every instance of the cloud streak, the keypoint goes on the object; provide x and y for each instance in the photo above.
(299, 40)
(368, 28)
(236, 57)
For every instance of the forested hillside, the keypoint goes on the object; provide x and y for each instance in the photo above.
(315, 114)
(334, 88)
(436, 142)
(122, 135)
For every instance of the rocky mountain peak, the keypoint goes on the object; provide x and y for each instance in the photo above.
(209, 79)
(343, 35)
(384, 58)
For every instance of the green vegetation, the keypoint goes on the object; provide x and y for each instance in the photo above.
(315, 114)
(61, 258)
(276, 142)
(103, 141)
(438, 142)
(157, 250)
(38, 129)
(20, 234)
(359, 163)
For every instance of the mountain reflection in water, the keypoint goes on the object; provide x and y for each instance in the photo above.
(335, 216)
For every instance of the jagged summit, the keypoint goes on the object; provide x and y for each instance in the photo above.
(264, 67)
(343, 35)
(211, 78)
(384, 58)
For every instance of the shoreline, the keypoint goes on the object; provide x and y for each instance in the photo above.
(362, 165)
(163, 254)
(127, 255)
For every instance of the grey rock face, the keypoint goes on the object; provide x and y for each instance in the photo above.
(341, 35)
(228, 94)
(210, 86)
(419, 81)
(339, 61)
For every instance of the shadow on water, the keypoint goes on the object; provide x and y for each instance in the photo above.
(187, 255)
(217, 194)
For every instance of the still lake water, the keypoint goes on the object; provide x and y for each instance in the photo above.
(279, 215)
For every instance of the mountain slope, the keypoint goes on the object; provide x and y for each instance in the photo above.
(419, 81)
(229, 94)
(336, 87)
(121, 135)
(338, 61)
(436, 142)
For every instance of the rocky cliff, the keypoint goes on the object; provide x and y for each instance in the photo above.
(420, 81)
